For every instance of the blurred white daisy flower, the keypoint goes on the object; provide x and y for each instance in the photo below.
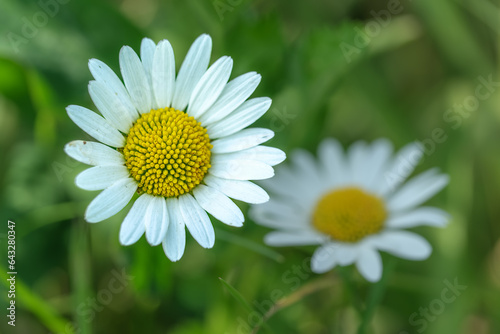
(353, 206)
(179, 141)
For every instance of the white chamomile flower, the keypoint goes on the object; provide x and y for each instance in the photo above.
(179, 141)
(353, 206)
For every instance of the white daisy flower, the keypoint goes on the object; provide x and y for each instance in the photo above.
(178, 141)
(352, 206)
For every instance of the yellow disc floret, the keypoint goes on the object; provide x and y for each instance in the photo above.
(167, 152)
(349, 214)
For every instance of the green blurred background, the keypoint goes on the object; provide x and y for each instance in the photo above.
(348, 69)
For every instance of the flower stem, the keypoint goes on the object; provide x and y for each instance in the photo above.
(375, 295)
(346, 274)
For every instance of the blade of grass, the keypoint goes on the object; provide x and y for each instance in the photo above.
(32, 302)
(239, 297)
(305, 290)
(43, 99)
(79, 263)
(253, 246)
(485, 11)
(439, 16)
(47, 215)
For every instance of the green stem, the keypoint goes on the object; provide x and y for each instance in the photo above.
(375, 295)
(346, 274)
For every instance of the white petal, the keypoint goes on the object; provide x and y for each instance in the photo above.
(110, 106)
(347, 253)
(245, 191)
(242, 140)
(277, 206)
(243, 116)
(92, 153)
(278, 187)
(192, 69)
(268, 155)
(324, 258)
(379, 157)
(418, 190)
(96, 126)
(300, 238)
(369, 163)
(304, 162)
(280, 215)
(357, 156)
(421, 216)
(156, 220)
(133, 225)
(404, 244)
(210, 86)
(163, 74)
(110, 80)
(233, 95)
(279, 222)
(333, 163)
(400, 168)
(148, 48)
(110, 201)
(306, 167)
(101, 177)
(369, 264)
(218, 205)
(301, 191)
(197, 221)
(175, 241)
(241, 170)
(135, 79)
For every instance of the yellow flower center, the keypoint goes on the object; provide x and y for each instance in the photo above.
(349, 214)
(167, 152)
